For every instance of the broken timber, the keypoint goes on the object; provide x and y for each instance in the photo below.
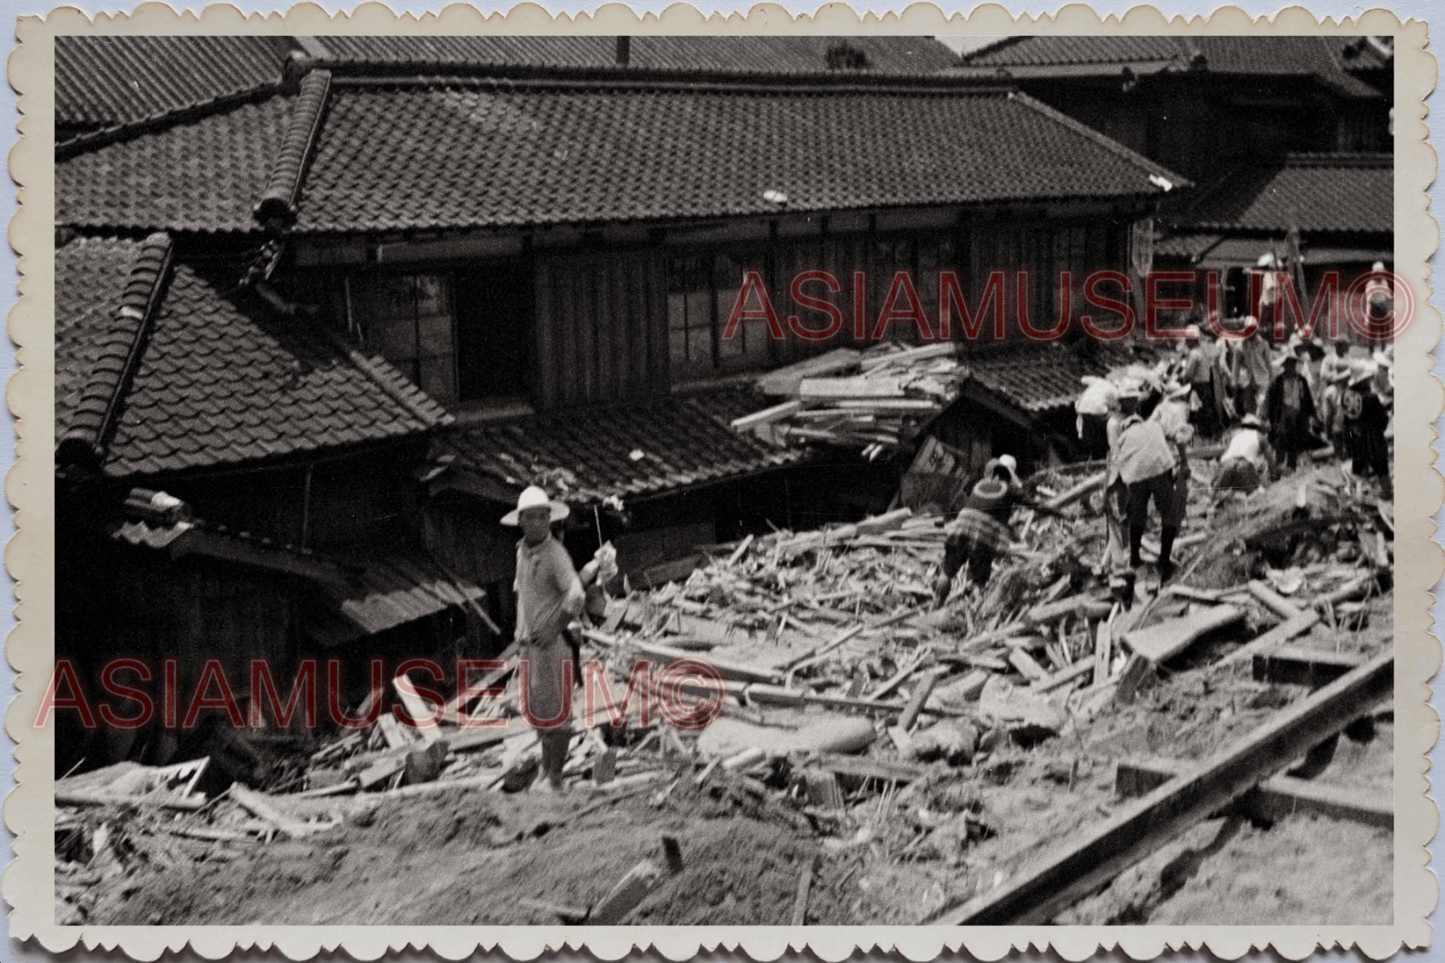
(1038, 892)
(1159, 643)
(1274, 799)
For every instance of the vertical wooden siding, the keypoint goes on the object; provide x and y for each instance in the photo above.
(601, 327)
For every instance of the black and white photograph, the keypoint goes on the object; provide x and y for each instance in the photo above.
(662, 480)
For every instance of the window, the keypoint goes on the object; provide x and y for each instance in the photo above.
(701, 289)
(689, 312)
(408, 319)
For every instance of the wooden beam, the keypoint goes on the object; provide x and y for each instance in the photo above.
(1296, 665)
(1275, 637)
(1273, 600)
(1274, 799)
(766, 416)
(1038, 892)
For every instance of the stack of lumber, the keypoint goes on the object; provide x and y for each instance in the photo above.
(875, 400)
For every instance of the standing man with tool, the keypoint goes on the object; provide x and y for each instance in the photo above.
(549, 597)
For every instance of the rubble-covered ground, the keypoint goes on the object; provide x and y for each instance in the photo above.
(876, 760)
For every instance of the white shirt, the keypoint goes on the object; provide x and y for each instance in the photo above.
(1244, 446)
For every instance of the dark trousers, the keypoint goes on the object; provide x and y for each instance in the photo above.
(1096, 436)
(1162, 491)
(960, 550)
(1369, 452)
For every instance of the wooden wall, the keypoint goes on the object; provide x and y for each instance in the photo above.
(601, 323)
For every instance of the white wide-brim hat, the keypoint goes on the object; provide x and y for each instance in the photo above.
(534, 497)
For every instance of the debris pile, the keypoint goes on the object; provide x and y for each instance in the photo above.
(876, 400)
(852, 710)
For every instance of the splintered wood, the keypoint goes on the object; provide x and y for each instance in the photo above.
(874, 400)
(848, 701)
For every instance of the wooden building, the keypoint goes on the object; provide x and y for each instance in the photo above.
(545, 243)
(1201, 104)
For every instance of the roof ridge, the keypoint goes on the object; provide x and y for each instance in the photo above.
(167, 118)
(277, 204)
(438, 72)
(1176, 180)
(992, 46)
(119, 351)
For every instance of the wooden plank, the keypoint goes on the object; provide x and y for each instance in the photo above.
(416, 707)
(825, 389)
(1274, 799)
(862, 767)
(392, 732)
(1063, 677)
(732, 671)
(260, 805)
(785, 381)
(766, 416)
(1027, 666)
(1295, 665)
(1161, 642)
(1272, 600)
(1093, 605)
(919, 698)
(1275, 637)
(1074, 494)
(631, 890)
(1211, 596)
(1037, 892)
(1103, 650)
(800, 901)
(75, 797)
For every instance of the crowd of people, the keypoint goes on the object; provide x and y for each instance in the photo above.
(1265, 409)
(1268, 407)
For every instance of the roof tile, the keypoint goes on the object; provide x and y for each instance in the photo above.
(102, 82)
(463, 153)
(684, 441)
(243, 398)
(1314, 192)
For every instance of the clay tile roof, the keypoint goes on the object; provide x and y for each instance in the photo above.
(103, 82)
(461, 154)
(1314, 192)
(1037, 378)
(219, 379)
(283, 187)
(759, 55)
(201, 174)
(1260, 56)
(624, 450)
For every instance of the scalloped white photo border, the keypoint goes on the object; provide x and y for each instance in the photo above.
(27, 882)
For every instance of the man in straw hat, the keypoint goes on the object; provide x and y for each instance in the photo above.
(549, 596)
